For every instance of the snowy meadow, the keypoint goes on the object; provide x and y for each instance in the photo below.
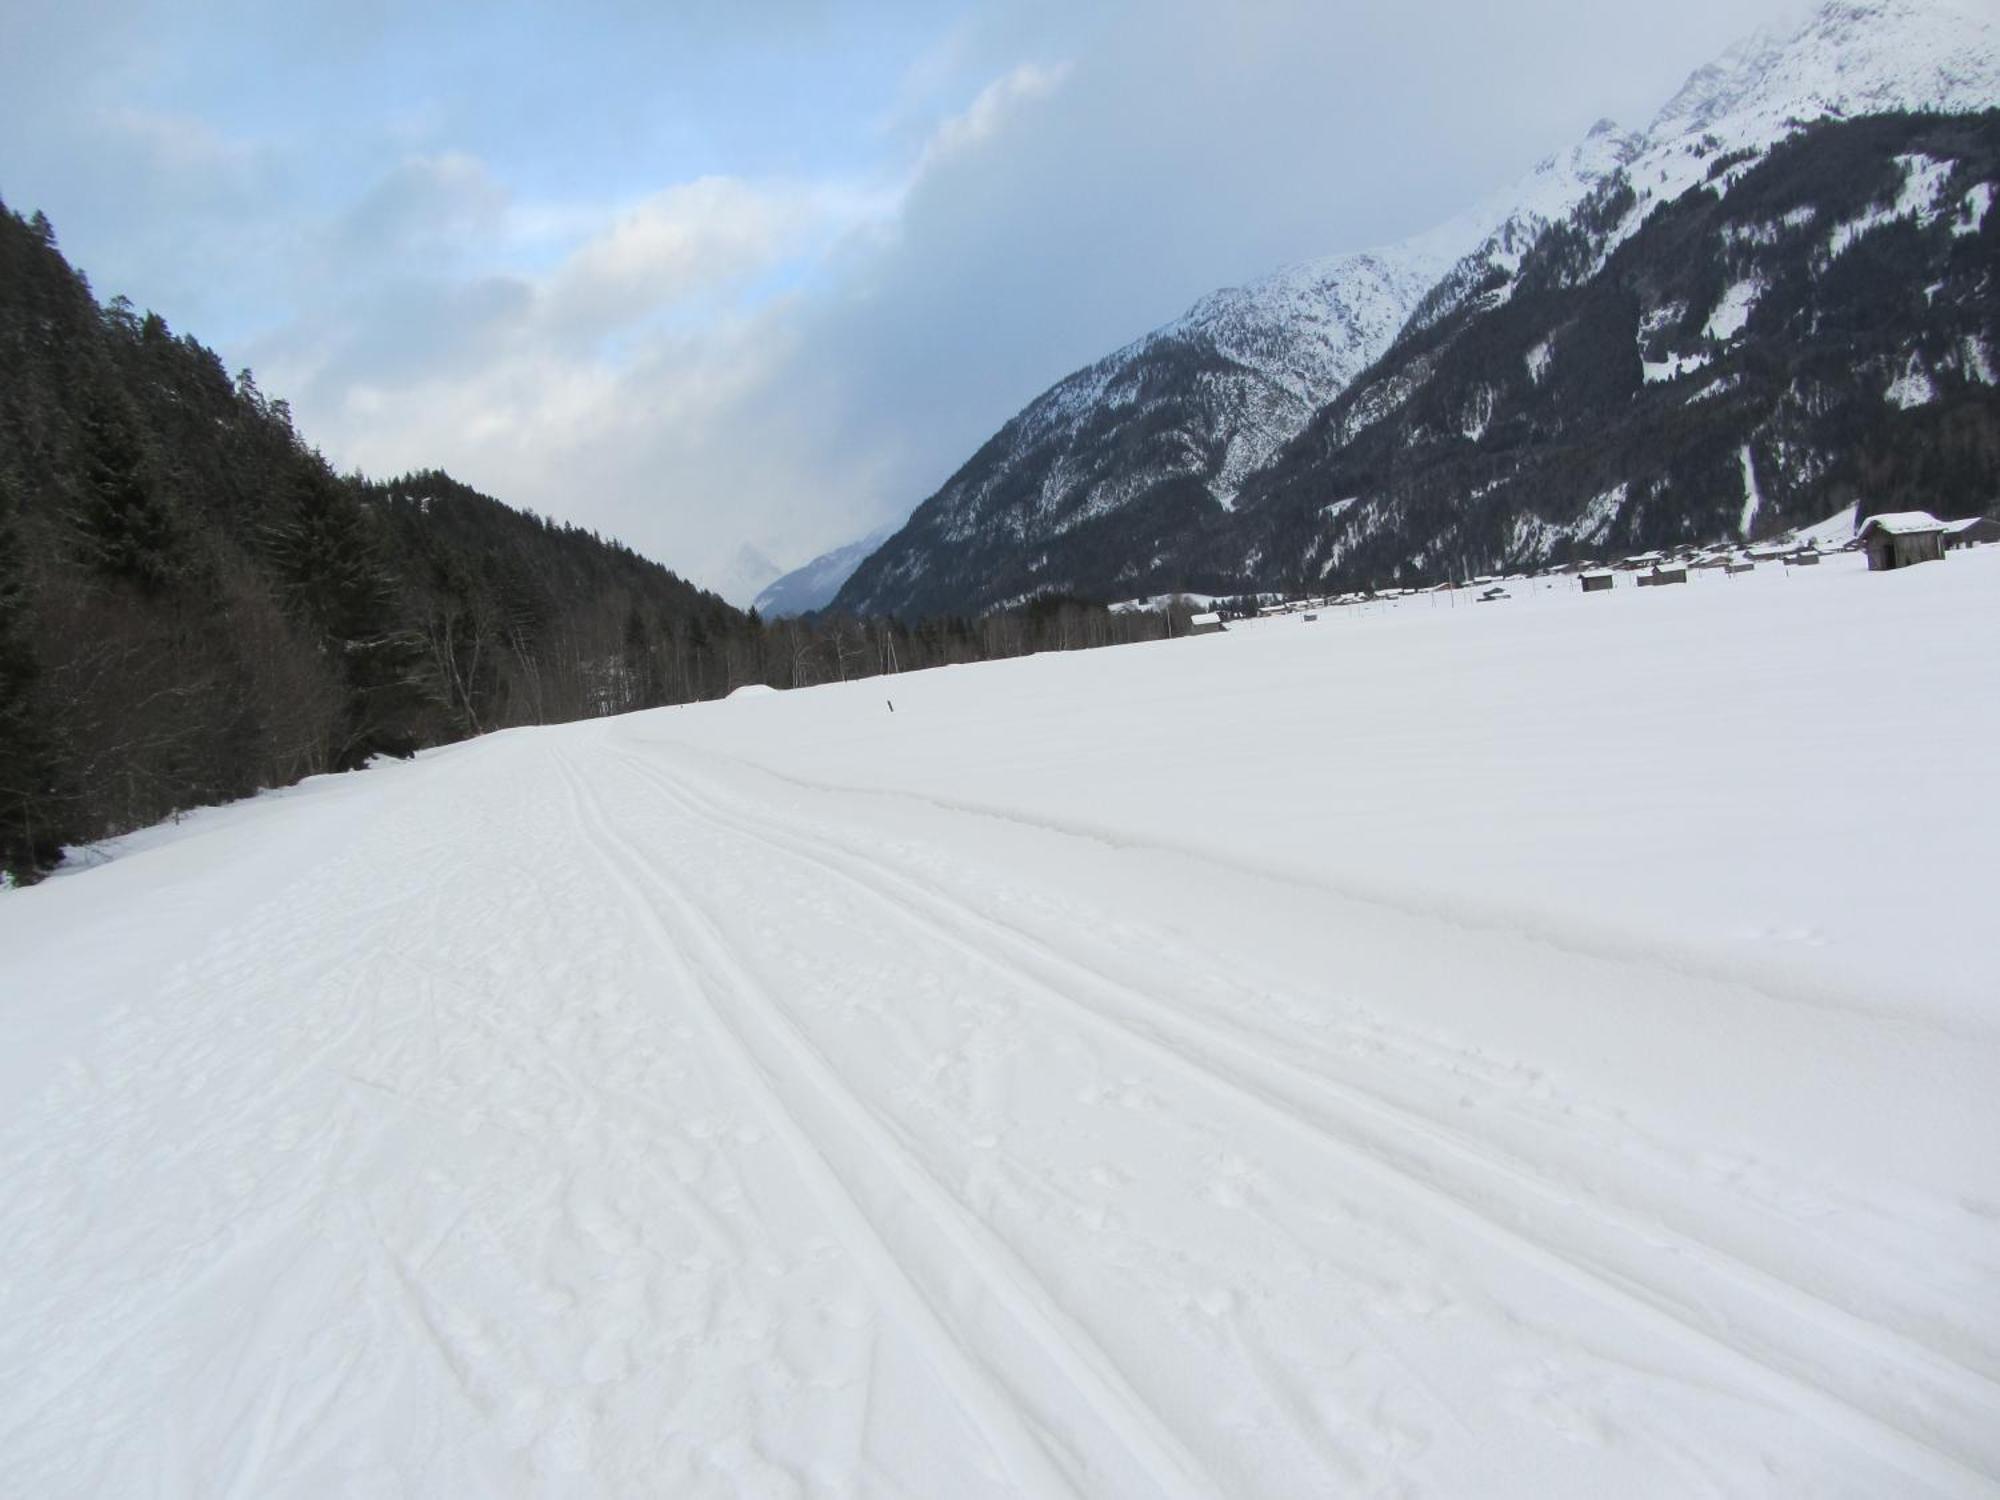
(1544, 1047)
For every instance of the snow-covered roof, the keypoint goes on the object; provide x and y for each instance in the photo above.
(1207, 619)
(1966, 525)
(1902, 523)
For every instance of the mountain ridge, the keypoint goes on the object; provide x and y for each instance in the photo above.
(1138, 463)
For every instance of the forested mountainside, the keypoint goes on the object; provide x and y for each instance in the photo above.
(1804, 332)
(1644, 274)
(1121, 457)
(194, 605)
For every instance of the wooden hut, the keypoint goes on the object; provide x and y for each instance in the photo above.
(1204, 624)
(1597, 582)
(1896, 539)
(1971, 533)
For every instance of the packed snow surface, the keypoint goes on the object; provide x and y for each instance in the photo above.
(1538, 1048)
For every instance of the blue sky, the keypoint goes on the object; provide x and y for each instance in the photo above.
(708, 274)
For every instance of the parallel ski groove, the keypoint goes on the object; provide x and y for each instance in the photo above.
(1173, 1471)
(930, 909)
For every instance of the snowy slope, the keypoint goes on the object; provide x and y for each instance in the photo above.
(1206, 400)
(1850, 57)
(1445, 1082)
(1310, 329)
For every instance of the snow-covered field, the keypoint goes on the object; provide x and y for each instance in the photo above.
(1542, 1048)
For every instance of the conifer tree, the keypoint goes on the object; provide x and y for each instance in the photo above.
(30, 835)
(326, 552)
(127, 524)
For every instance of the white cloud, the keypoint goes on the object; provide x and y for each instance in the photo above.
(872, 231)
(991, 109)
(687, 240)
(655, 380)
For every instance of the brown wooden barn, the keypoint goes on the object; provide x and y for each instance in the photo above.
(1896, 539)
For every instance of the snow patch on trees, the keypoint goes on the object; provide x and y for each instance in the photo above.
(1975, 361)
(1924, 179)
(1972, 210)
(1601, 513)
(1732, 310)
(1753, 500)
(1672, 367)
(1913, 387)
(1540, 358)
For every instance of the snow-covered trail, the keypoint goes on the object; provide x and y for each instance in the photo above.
(590, 1112)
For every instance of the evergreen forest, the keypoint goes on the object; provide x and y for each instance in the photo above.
(194, 604)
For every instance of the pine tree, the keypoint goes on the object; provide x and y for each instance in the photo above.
(326, 553)
(127, 524)
(30, 831)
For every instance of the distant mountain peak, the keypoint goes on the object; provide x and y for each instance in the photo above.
(813, 585)
(747, 571)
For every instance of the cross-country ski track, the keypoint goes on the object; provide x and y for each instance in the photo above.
(710, 1103)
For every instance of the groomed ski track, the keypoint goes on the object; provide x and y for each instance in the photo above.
(592, 1111)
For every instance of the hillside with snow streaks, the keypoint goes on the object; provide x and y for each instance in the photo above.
(1851, 58)
(1162, 434)
(1131, 476)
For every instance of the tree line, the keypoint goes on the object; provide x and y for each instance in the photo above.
(194, 605)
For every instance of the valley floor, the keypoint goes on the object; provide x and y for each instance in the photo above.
(1544, 1048)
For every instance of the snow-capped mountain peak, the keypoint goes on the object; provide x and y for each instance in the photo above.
(1851, 57)
(1138, 463)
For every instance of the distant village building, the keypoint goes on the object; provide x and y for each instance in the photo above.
(1972, 533)
(1661, 575)
(1596, 583)
(1207, 624)
(1897, 539)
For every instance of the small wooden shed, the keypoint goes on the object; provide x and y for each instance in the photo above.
(1597, 582)
(1204, 624)
(1896, 539)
